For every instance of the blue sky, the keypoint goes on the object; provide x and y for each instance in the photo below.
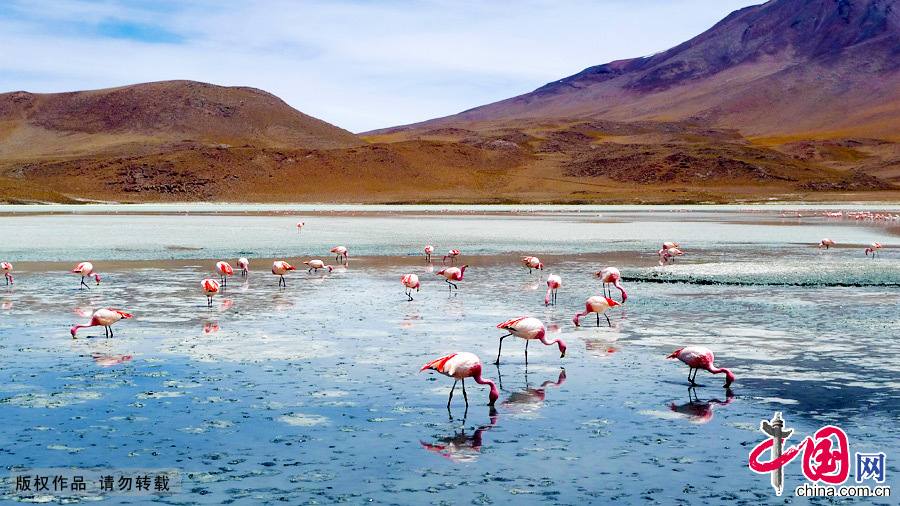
(360, 64)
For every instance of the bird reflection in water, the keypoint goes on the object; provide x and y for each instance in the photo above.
(601, 348)
(461, 447)
(104, 360)
(210, 327)
(698, 411)
(529, 399)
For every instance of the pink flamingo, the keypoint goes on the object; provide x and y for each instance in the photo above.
(300, 225)
(700, 357)
(452, 274)
(669, 254)
(460, 366)
(553, 284)
(528, 328)
(875, 246)
(429, 249)
(103, 318)
(210, 287)
(315, 265)
(280, 268)
(452, 254)
(6, 267)
(244, 265)
(826, 243)
(86, 269)
(611, 275)
(532, 263)
(224, 269)
(410, 281)
(341, 254)
(599, 305)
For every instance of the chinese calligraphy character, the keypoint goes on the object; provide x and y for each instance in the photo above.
(41, 483)
(78, 484)
(870, 466)
(143, 482)
(161, 484)
(125, 483)
(60, 482)
(106, 483)
(23, 483)
(820, 462)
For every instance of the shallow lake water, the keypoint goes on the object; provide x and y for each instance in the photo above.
(311, 393)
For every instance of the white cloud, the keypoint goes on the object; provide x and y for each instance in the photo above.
(357, 64)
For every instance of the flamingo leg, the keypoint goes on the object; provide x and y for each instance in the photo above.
(607, 320)
(465, 397)
(526, 352)
(497, 362)
(409, 294)
(83, 283)
(598, 319)
(451, 393)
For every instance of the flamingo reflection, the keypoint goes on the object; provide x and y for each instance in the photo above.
(698, 411)
(210, 327)
(460, 447)
(530, 399)
(104, 360)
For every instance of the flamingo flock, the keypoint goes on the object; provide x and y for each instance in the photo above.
(460, 365)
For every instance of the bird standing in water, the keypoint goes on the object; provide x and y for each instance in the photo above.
(452, 254)
(599, 305)
(460, 366)
(210, 287)
(452, 274)
(875, 246)
(86, 270)
(244, 265)
(611, 275)
(826, 243)
(6, 267)
(224, 269)
(341, 254)
(280, 268)
(528, 328)
(553, 284)
(410, 281)
(103, 318)
(700, 357)
(429, 249)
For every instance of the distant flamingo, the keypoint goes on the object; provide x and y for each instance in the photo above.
(553, 284)
(452, 254)
(210, 287)
(599, 305)
(410, 281)
(244, 265)
(315, 265)
(224, 269)
(826, 243)
(300, 226)
(86, 269)
(669, 254)
(429, 249)
(670, 245)
(103, 318)
(528, 328)
(874, 247)
(700, 357)
(452, 274)
(280, 268)
(6, 267)
(532, 263)
(611, 275)
(340, 254)
(460, 366)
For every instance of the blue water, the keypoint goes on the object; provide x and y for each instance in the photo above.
(312, 393)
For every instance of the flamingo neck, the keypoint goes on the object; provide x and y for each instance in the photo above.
(618, 285)
(495, 394)
(547, 297)
(729, 376)
(558, 342)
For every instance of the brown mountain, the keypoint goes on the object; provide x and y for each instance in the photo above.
(142, 117)
(814, 67)
(787, 97)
